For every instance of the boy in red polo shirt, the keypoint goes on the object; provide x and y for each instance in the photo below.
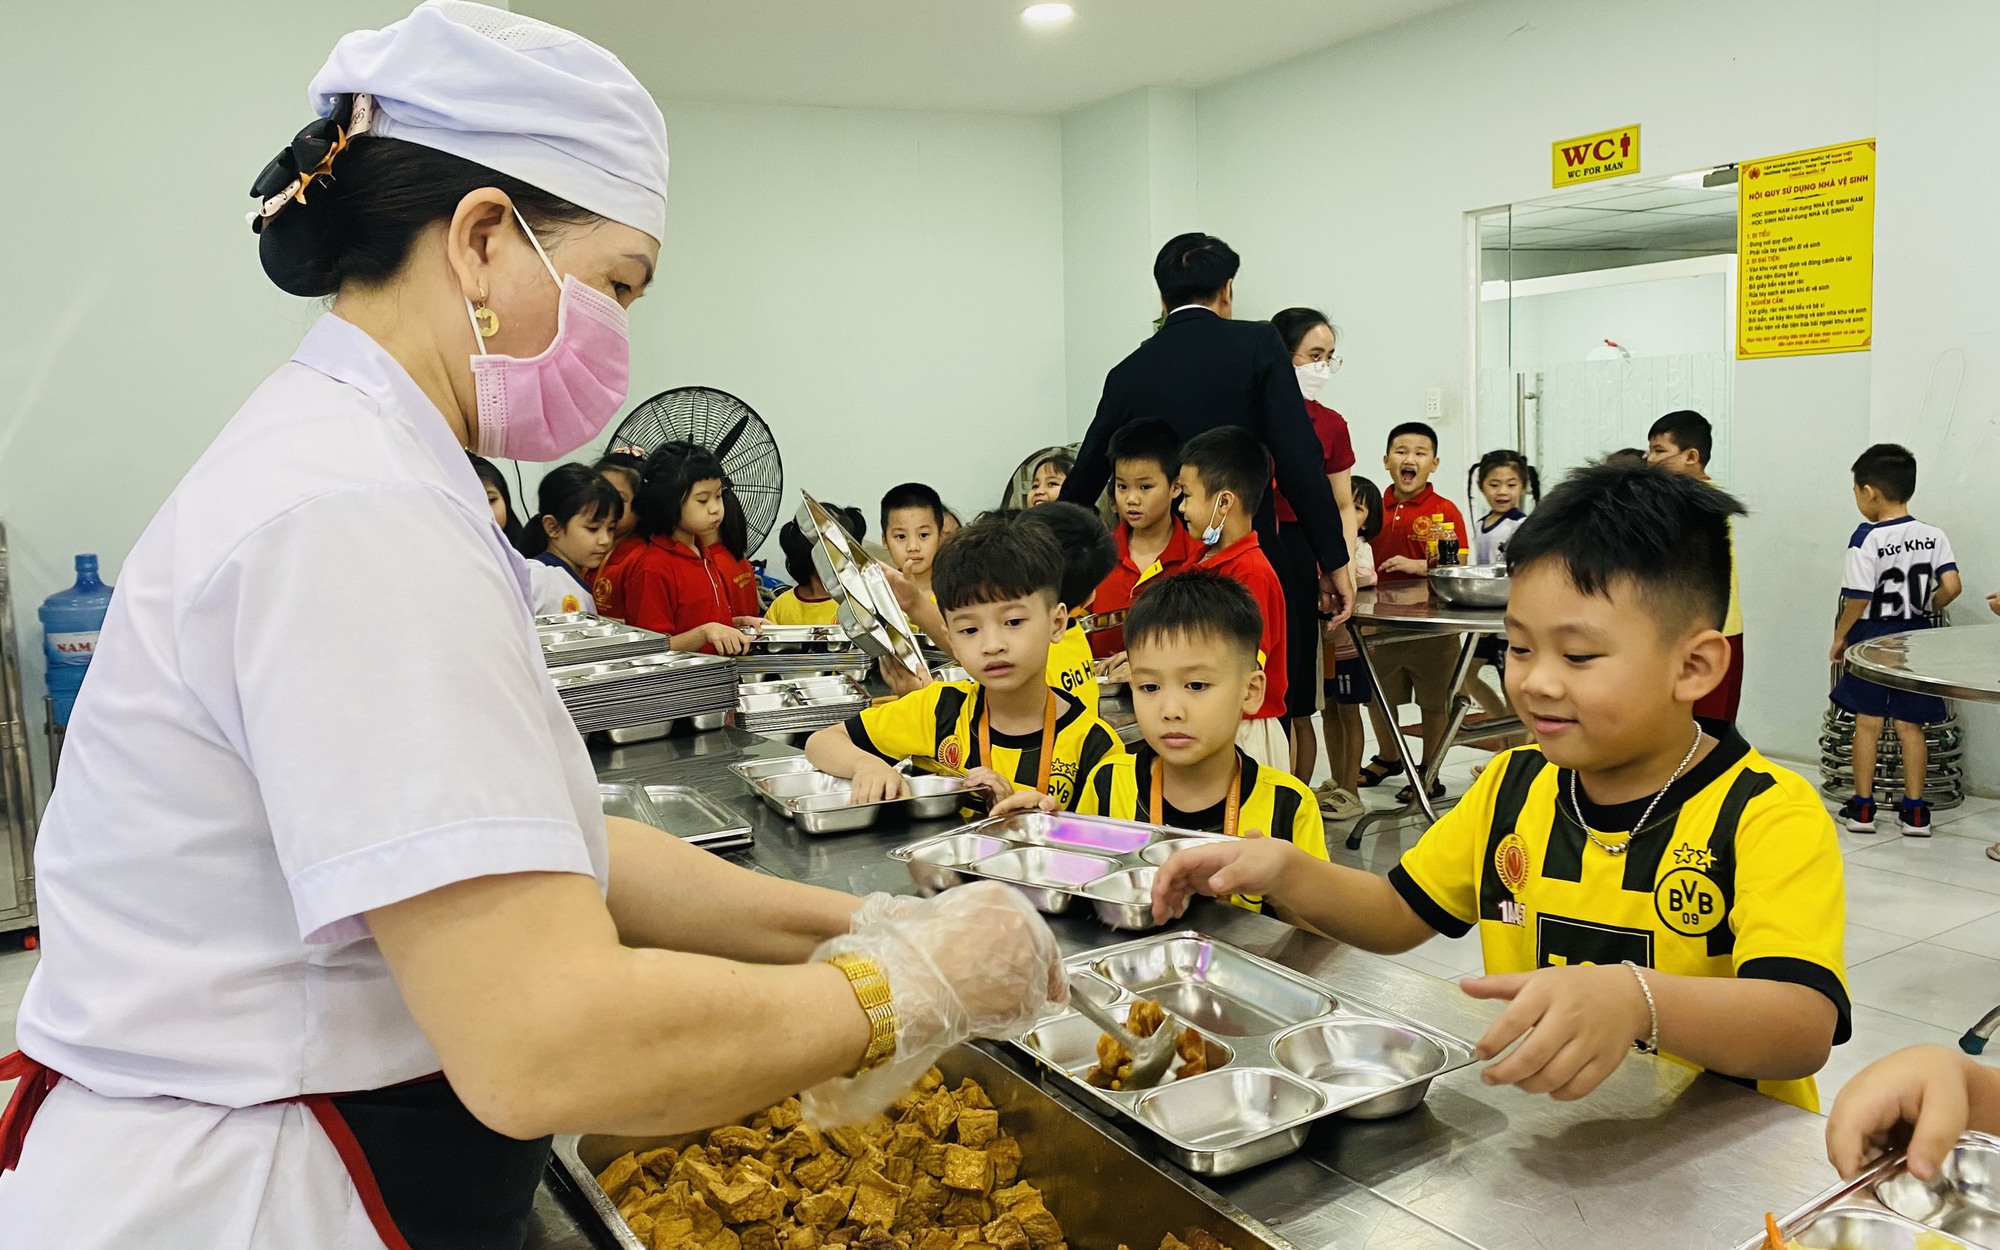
(1418, 670)
(1152, 542)
(1223, 476)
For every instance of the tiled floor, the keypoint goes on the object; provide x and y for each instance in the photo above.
(1923, 932)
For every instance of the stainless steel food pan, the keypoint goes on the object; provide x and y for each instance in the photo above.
(934, 864)
(1223, 1122)
(1215, 987)
(1050, 878)
(1069, 1043)
(1124, 900)
(1352, 1059)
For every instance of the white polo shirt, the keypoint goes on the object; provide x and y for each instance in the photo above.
(318, 692)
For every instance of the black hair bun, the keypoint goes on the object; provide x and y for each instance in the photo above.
(300, 247)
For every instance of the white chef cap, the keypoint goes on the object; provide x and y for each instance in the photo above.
(518, 96)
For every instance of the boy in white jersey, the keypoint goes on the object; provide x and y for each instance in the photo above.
(1899, 571)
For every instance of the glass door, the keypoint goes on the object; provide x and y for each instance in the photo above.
(1600, 311)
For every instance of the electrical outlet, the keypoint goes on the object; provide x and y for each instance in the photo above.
(1433, 404)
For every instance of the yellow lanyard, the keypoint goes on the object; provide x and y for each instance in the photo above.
(1229, 805)
(1048, 742)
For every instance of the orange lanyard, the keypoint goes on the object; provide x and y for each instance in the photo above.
(1229, 805)
(1048, 742)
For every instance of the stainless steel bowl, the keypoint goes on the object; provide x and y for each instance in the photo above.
(1476, 586)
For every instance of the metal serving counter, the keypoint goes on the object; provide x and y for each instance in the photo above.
(1658, 1157)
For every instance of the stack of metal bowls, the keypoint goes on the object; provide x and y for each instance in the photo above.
(1944, 774)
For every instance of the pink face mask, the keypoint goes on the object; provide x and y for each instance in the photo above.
(545, 407)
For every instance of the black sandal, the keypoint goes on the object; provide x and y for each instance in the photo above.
(1379, 770)
(1408, 794)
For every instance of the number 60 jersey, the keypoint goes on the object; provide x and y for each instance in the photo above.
(1895, 565)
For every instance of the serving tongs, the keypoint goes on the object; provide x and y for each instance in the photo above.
(1151, 1056)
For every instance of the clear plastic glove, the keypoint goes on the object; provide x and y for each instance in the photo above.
(878, 906)
(972, 962)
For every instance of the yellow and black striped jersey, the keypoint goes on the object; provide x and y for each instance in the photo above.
(1269, 803)
(1072, 668)
(938, 727)
(1738, 874)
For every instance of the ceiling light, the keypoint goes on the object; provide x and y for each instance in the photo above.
(1047, 14)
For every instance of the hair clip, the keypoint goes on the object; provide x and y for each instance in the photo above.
(308, 157)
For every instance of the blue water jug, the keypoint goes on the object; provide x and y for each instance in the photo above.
(70, 622)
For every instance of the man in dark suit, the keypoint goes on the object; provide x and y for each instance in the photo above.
(1203, 370)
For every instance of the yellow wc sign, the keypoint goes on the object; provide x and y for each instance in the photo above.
(1606, 154)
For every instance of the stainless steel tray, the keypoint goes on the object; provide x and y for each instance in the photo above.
(683, 811)
(1057, 859)
(1886, 1208)
(813, 638)
(1103, 1193)
(1284, 1051)
(820, 803)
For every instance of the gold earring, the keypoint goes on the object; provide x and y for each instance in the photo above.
(484, 319)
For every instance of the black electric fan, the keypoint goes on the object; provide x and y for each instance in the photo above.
(730, 429)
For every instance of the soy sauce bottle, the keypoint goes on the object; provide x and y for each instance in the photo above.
(1448, 546)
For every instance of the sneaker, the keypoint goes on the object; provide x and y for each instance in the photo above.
(1857, 815)
(1914, 815)
(1341, 805)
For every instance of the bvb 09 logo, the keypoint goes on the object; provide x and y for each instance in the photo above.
(1689, 902)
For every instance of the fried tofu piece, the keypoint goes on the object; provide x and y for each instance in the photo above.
(977, 1128)
(658, 1163)
(901, 1171)
(673, 1234)
(878, 1239)
(971, 1095)
(787, 1116)
(848, 1140)
(1193, 1052)
(935, 1113)
(1013, 1196)
(931, 1079)
(964, 1209)
(617, 1175)
(877, 1201)
(930, 1160)
(936, 1239)
(927, 1198)
(967, 1169)
(759, 1236)
(724, 1240)
(1040, 1226)
(1144, 1018)
(803, 1238)
(907, 1140)
(734, 1141)
(1005, 1155)
(820, 1171)
(801, 1141)
(1202, 1239)
(822, 1211)
(1005, 1233)
(1171, 1242)
(744, 1198)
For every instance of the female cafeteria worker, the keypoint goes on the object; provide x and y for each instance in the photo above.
(306, 853)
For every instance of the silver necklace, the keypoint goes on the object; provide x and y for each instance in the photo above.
(1619, 848)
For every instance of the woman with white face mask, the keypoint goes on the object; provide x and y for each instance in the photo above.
(335, 932)
(1310, 338)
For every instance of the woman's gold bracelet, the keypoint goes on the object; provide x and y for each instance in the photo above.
(871, 990)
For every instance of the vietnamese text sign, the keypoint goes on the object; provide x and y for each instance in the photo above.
(1805, 272)
(1606, 154)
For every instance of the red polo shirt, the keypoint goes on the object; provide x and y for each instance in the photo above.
(1336, 450)
(1114, 593)
(1407, 525)
(607, 585)
(1245, 561)
(670, 590)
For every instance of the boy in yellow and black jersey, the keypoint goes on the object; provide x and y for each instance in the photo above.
(1192, 642)
(997, 583)
(1636, 877)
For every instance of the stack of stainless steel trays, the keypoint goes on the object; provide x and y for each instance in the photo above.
(1283, 1051)
(1056, 859)
(1886, 1208)
(1100, 1190)
(647, 689)
(797, 704)
(580, 638)
(780, 651)
(819, 803)
(683, 811)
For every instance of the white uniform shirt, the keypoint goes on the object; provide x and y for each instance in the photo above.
(1895, 565)
(1489, 545)
(264, 751)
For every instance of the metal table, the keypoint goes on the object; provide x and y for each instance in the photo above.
(1413, 609)
(1659, 1157)
(1958, 663)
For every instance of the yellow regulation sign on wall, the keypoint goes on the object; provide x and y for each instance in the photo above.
(1606, 154)
(1805, 269)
